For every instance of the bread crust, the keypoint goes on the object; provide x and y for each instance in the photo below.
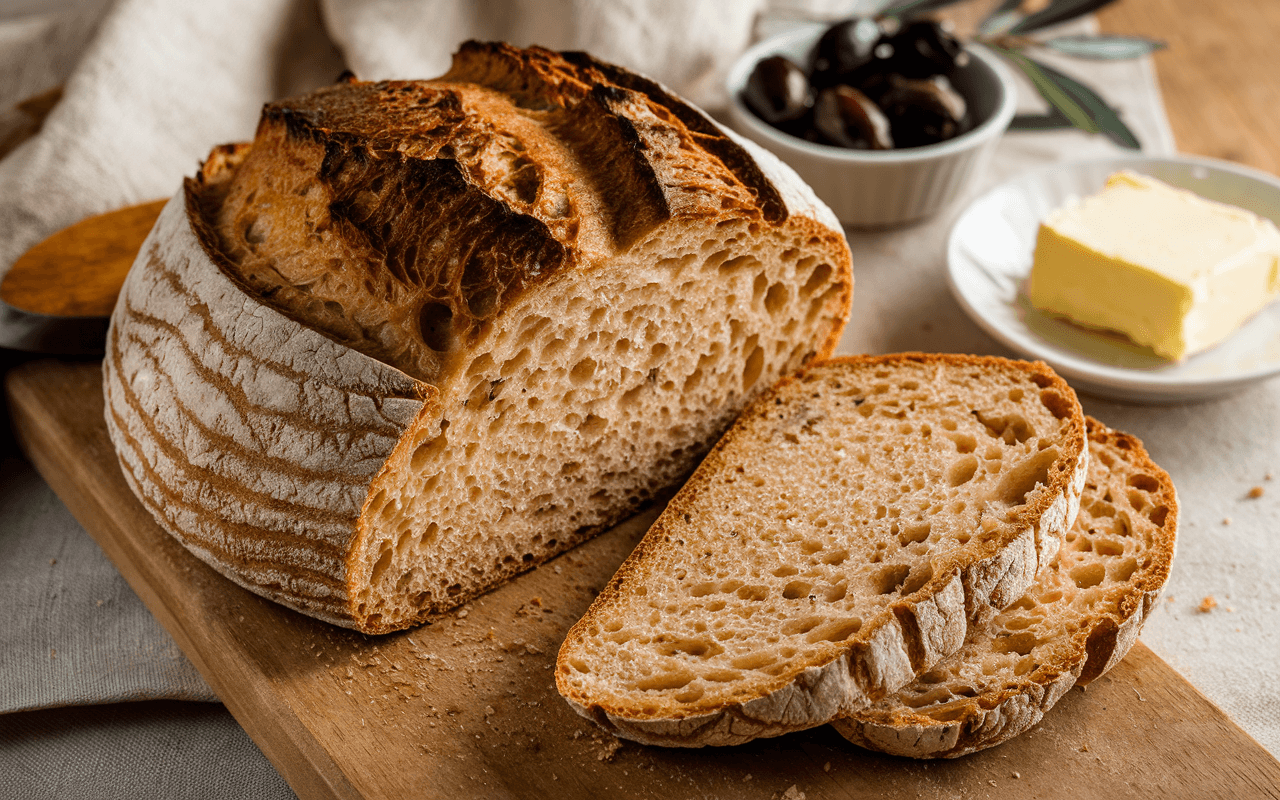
(882, 658)
(257, 427)
(992, 718)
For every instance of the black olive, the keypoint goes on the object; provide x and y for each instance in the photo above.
(847, 117)
(923, 49)
(846, 50)
(923, 112)
(777, 90)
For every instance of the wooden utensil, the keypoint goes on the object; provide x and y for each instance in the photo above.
(78, 271)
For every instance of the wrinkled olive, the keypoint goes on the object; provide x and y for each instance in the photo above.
(923, 112)
(845, 50)
(847, 117)
(923, 49)
(777, 90)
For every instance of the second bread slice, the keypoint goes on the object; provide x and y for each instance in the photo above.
(838, 541)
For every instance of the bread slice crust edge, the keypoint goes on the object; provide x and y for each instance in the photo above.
(916, 635)
(993, 718)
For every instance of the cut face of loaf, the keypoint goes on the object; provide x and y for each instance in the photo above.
(422, 336)
(1078, 620)
(840, 539)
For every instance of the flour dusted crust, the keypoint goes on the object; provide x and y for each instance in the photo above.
(1079, 619)
(419, 337)
(739, 617)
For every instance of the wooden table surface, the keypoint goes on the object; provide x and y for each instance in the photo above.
(1220, 75)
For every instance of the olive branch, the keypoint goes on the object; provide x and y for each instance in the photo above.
(1072, 104)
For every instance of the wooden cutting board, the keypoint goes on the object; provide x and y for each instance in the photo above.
(467, 708)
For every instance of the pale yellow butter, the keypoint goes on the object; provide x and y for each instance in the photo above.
(1165, 267)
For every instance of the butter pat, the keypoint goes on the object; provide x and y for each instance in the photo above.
(1163, 266)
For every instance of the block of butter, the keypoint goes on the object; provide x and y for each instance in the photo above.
(1165, 267)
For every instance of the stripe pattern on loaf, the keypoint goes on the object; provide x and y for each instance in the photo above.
(251, 440)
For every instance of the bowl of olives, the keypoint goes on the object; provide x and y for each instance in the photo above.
(888, 122)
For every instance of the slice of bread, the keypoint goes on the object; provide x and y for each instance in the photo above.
(1078, 620)
(840, 539)
(421, 336)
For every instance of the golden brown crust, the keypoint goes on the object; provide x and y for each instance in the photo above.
(926, 626)
(1000, 712)
(390, 228)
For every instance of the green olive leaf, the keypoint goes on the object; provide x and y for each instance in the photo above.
(1052, 120)
(1057, 12)
(1051, 91)
(1104, 47)
(1085, 108)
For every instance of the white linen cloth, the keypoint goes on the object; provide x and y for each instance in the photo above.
(151, 85)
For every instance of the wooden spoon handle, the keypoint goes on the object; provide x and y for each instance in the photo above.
(78, 271)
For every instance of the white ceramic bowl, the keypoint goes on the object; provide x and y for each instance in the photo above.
(874, 188)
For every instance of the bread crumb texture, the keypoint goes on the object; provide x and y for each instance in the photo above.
(421, 336)
(1079, 618)
(838, 540)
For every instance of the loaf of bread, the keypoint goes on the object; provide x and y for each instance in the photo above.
(843, 537)
(1078, 620)
(419, 337)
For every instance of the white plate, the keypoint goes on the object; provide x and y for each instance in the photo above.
(989, 258)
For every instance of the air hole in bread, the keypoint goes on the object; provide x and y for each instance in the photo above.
(1020, 480)
(1021, 643)
(914, 532)
(889, 579)
(1123, 569)
(435, 325)
(1058, 404)
(1158, 515)
(796, 590)
(1106, 548)
(694, 648)
(961, 471)
(753, 661)
(834, 631)
(1086, 576)
(919, 577)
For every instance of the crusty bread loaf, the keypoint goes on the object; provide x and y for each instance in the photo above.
(421, 336)
(1078, 620)
(840, 539)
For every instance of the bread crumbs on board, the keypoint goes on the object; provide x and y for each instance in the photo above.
(1208, 604)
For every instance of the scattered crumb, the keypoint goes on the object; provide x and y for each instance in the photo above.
(1226, 520)
(792, 793)
(488, 711)
(53, 561)
(1256, 492)
(608, 749)
(53, 654)
(1169, 599)
(1267, 477)
(1208, 604)
(1231, 609)
(1017, 775)
(826, 767)
(558, 569)
(463, 614)
(99, 602)
(1084, 748)
(746, 778)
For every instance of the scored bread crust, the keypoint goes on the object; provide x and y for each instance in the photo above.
(267, 416)
(882, 655)
(1135, 503)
